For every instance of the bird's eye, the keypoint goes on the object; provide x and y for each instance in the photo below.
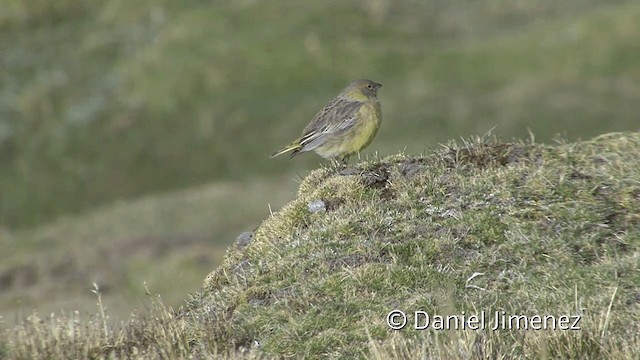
(370, 86)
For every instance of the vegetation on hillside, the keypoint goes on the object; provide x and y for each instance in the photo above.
(523, 228)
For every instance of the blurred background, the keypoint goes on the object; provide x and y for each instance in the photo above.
(134, 135)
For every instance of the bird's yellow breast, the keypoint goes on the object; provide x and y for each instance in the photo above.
(359, 136)
(368, 126)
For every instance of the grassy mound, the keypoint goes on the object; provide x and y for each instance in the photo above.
(524, 229)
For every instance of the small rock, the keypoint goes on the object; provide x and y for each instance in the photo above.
(244, 239)
(316, 206)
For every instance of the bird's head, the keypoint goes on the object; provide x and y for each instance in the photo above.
(361, 90)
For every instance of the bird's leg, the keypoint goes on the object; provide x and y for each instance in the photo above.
(335, 163)
(340, 163)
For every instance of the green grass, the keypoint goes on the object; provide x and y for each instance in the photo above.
(524, 228)
(105, 100)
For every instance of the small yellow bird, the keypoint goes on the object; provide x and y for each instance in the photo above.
(346, 125)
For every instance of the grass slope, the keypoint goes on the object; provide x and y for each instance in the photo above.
(552, 230)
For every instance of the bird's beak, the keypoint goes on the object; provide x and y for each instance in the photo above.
(378, 86)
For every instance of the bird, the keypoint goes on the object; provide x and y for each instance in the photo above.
(345, 126)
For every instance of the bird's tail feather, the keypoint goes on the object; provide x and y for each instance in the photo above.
(294, 147)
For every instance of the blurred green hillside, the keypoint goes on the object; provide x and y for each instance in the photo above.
(164, 244)
(103, 100)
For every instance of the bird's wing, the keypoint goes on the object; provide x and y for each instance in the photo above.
(337, 116)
